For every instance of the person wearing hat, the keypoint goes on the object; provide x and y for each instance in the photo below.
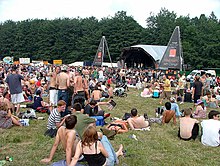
(197, 91)
(189, 128)
(200, 110)
(210, 129)
(175, 107)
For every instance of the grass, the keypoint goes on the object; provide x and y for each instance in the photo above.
(160, 146)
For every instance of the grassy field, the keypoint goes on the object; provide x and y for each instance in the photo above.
(159, 146)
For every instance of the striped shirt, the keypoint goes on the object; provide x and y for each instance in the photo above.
(53, 119)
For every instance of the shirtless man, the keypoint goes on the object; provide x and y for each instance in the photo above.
(67, 137)
(189, 128)
(96, 94)
(168, 114)
(110, 90)
(53, 92)
(80, 87)
(85, 72)
(63, 82)
(137, 122)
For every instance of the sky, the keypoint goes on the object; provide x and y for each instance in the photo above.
(18, 10)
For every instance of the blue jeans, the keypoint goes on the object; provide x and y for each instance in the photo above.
(63, 95)
(112, 158)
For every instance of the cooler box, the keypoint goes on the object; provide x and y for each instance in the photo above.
(156, 94)
(99, 120)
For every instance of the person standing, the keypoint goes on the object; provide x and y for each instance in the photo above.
(63, 82)
(14, 83)
(197, 89)
(80, 88)
(53, 87)
(167, 89)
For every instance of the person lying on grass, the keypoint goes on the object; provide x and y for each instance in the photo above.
(7, 120)
(119, 126)
(137, 122)
(67, 137)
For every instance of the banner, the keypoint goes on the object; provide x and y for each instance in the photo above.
(8, 60)
(100, 53)
(172, 58)
(57, 62)
(24, 60)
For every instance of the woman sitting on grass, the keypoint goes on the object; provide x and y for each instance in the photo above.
(38, 102)
(7, 120)
(96, 153)
(200, 110)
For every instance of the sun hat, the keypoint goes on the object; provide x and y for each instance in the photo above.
(199, 101)
(172, 99)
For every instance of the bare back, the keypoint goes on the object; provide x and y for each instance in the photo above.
(62, 80)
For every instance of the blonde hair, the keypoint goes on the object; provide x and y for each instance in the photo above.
(3, 106)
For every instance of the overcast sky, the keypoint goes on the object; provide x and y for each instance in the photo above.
(18, 10)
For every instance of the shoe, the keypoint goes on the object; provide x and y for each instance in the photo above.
(181, 102)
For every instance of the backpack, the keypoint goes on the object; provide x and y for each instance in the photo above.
(126, 116)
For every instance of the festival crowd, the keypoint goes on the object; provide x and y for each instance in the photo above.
(74, 98)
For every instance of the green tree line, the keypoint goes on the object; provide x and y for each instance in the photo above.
(77, 39)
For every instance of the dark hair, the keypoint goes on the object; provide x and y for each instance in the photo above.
(134, 112)
(71, 121)
(168, 105)
(213, 113)
(38, 92)
(77, 106)
(93, 102)
(14, 68)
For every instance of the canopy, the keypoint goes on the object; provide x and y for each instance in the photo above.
(143, 55)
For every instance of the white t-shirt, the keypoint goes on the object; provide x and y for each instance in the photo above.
(210, 130)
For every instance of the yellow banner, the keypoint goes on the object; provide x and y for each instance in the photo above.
(57, 62)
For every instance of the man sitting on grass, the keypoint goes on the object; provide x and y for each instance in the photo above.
(189, 128)
(137, 122)
(168, 114)
(67, 137)
(54, 120)
(83, 120)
